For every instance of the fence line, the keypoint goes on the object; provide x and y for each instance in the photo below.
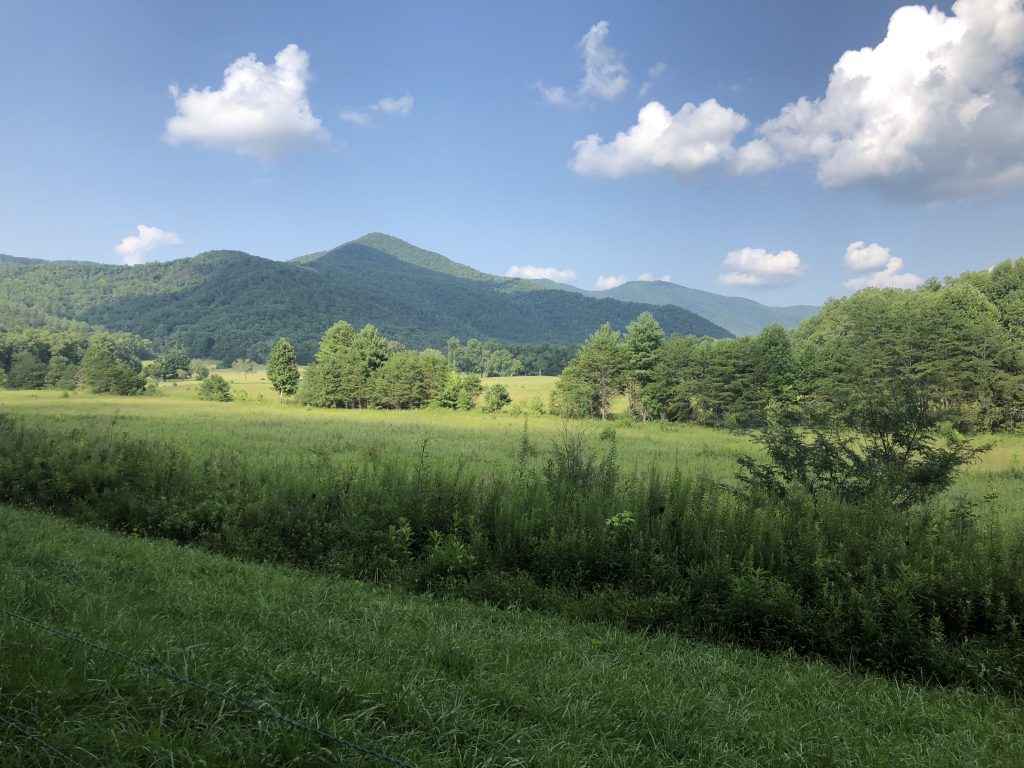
(175, 677)
(52, 749)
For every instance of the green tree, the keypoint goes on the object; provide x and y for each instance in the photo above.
(644, 338)
(104, 369)
(496, 397)
(593, 377)
(215, 387)
(282, 369)
(399, 382)
(27, 372)
(61, 373)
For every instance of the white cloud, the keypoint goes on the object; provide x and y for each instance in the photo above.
(860, 256)
(886, 269)
(890, 277)
(647, 277)
(536, 273)
(355, 116)
(553, 94)
(401, 106)
(933, 111)
(604, 74)
(758, 267)
(603, 283)
(653, 73)
(134, 247)
(260, 110)
(693, 138)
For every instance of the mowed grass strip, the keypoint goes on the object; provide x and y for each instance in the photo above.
(432, 683)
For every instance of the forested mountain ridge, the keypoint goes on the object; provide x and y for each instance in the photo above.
(742, 317)
(739, 316)
(228, 304)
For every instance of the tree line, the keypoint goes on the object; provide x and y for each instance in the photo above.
(365, 369)
(957, 346)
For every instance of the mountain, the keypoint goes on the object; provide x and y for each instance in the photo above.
(226, 304)
(15, 261)
(741, 317)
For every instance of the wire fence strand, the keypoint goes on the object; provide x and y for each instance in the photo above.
(14, 725)
(175, 677)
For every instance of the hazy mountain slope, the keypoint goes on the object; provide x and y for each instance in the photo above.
(739, 316)
(224, 304)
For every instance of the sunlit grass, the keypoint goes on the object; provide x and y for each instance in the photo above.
(435, 683)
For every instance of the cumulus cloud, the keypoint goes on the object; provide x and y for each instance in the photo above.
(531, 272)
(647, 277)
(693, 138)
(860, 256)
(134, 247)
(932, 111)
(603, 283)
(886, 270)
(758, 267)
(400, 107)
(604, 74)
(260, 110)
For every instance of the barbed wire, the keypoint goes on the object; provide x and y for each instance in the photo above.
(51, 748)
(175, 677)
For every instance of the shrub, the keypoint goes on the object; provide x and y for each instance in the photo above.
(215, 387)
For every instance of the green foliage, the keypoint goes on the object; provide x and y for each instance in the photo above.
(61, 373)
(27, 372)
(227, 304)
(642, 699)
(596, 375)
(282, 369)
(110, 367)
(197, 370)
(930, 591)
(460, 391)
(496, 397)
(215, 387)
(891, 450)
(173, 364)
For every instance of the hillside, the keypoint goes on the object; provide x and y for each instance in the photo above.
(741, 317)
(226, 304)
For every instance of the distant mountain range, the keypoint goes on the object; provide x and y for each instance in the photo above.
(225, 304)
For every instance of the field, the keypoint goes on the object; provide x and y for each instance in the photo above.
(432, 683)
(382, 538)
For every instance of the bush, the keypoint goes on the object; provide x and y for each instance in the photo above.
(496, 397)
(215, 387)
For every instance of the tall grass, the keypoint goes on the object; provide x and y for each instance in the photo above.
(935, 593)
(432, 682)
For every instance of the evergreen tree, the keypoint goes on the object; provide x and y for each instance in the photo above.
(282, 370)
(594, 377)
(27, 372)
(104, 369)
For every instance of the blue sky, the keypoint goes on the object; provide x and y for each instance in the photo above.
(755, 158)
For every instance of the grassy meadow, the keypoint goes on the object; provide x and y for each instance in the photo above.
(347, 566)
(432, 683)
